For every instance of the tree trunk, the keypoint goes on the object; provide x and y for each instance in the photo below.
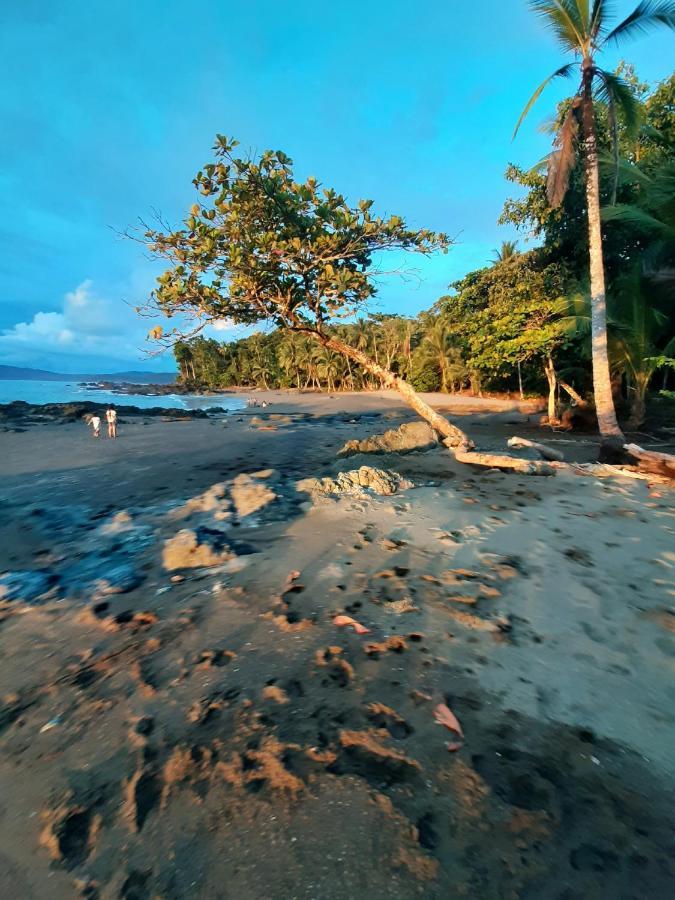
(638, 405)
(453, 435)
(602, 385)
(576, 397)
(549, 369)
(520, 382)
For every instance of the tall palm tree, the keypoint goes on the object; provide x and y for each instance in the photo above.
(583, 29)
(507, 250)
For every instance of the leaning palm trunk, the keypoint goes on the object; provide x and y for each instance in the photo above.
(602, 384)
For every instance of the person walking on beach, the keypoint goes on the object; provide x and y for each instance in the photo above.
(95, 423)
(111, 419)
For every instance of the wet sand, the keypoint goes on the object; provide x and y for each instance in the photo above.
(209, 732)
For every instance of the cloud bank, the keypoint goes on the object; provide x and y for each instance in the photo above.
(90, 333)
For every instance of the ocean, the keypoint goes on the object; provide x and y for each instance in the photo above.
(71, 391)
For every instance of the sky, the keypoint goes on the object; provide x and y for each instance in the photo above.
(109, 109)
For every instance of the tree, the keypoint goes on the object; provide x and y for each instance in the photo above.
(262, 247)
(506, 251)
(509, 314)
(583, 30)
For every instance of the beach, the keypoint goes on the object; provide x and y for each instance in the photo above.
(182, 717)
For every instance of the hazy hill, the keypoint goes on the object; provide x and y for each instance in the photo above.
(14, 373)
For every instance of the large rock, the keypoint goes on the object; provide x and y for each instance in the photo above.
(213, 501)
(404, 439)
(250, 493)
(357, 482)
(200, 548)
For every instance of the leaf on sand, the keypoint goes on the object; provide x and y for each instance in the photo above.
(347, 620)
(446, 717)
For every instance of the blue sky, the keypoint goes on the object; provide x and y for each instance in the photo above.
(109, 109)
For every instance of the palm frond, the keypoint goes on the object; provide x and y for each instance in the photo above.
(647, 14)
(583, 13)
(627, 171)
(617, 93)
(563, 157)
(563, 72)
(598, 17)
(633, 215)
(562, 17)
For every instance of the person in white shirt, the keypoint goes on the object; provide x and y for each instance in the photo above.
(95, 423)
(111, 419)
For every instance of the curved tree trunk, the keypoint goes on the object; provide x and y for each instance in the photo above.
(602, 385)
(454, 436)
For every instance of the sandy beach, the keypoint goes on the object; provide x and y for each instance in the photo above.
(181, 717)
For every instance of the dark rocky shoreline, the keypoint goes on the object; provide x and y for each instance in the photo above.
(21, 411)
(148, 390)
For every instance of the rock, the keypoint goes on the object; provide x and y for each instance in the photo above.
(190, 549)
(249, 494)
(213, 501)
(118, 578)
(100, 574)
(404, 439)
(356, 482)
(29, 587)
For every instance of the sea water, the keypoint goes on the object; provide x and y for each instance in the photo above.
(74, 392)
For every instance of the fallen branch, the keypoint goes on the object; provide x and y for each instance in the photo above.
(651, 461)
(605, 470)
(507, 463)
(546, 452)
(577, 399)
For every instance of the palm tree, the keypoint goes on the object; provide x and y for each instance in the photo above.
(507, 250)
(438, 341)
(583, 30)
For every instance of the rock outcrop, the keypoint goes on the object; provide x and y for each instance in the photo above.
(404, 439)
(357, 482)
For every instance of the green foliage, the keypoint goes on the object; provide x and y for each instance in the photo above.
(261, 247)
(508, 313)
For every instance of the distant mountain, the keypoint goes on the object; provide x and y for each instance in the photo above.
(17, 373)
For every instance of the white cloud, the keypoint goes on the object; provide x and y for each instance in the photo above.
(89, 330)
(222, 325)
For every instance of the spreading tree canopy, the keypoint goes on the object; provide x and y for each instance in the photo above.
(263, 247)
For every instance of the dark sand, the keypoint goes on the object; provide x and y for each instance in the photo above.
(219, 737)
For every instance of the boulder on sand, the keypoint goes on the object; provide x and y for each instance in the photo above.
(250, 494)
(190, 549)
(357, 482)
(404, 439)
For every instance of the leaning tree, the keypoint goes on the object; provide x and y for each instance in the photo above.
(261, 247)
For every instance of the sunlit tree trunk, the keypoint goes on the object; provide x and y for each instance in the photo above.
(454, 436)
(549, 370)
(602, 385)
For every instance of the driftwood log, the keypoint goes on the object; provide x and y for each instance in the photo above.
(506, 463)
(546, 452)
(651, 461)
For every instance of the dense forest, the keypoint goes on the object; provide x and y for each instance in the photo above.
(523, 322)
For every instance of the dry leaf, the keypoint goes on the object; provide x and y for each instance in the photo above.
(347, 620)
(446, 717)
